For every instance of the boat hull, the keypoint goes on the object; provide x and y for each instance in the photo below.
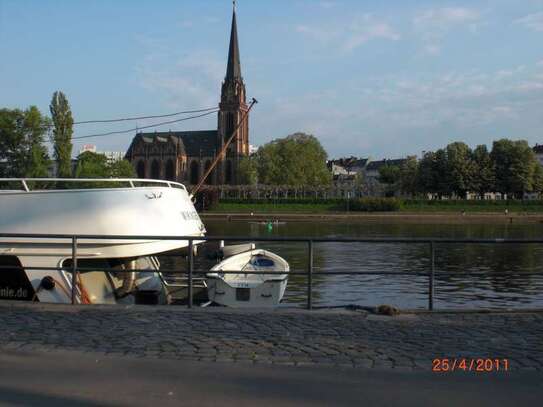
(244, 289)
(158, 214)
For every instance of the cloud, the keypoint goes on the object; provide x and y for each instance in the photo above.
(395, 115)
(182, 80)
(445, 17)
(532, 21)
(351, 34)
(434, 24)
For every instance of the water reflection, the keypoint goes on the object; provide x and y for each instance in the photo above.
(505, 273)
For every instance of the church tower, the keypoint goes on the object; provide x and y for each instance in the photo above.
(232, 107)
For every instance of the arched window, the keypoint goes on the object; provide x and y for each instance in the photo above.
(209, 179)
(155, 169)
(228, 175)
(194, 172)
(170, 170)
(140, 169)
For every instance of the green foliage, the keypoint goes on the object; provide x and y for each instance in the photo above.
(296, 160)
(389, 174)
(408, 176)
(515, 166)
(121, 169)
(93, 165)
(484, 177)
(22, 152)
(460, 168)
(377, 204)
(62, 133)
(355, 204)
(248, 171)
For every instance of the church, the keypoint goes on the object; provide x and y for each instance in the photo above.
(184, 156)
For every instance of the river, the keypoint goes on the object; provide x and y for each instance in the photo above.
(508, 281)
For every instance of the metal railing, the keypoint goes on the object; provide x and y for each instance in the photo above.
(132, 182)
(309, 273)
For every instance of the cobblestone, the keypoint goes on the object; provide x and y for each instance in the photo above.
(289, 337)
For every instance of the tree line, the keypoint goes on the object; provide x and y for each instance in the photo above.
(511, 168)
(296, 160)
(24, 153)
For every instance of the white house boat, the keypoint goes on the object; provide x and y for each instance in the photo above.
(243, 289)
(120, 207)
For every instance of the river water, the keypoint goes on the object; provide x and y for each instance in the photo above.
(508, 280)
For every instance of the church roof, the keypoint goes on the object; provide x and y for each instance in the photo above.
(192, 143)
(233, 69)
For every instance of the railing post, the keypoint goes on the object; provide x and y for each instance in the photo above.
(190, 268)
(310, 276)
(431, 279)
(74, 269)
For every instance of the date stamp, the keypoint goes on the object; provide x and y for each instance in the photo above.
(478, 365)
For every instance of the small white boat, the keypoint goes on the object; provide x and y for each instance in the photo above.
(249, 290)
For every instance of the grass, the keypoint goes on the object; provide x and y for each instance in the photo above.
(228, 207)
(416, 207)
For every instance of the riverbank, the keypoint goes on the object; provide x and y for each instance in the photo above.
(373, 205)
(378, 217)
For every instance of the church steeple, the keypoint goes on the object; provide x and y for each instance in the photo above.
(233, 69)
(231, 109)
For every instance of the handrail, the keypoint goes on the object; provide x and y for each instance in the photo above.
(131, 181)
(76, 240)
(298, 239)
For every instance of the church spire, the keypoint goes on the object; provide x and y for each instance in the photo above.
(233, 69)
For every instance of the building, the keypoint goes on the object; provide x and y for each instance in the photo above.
(184, 156)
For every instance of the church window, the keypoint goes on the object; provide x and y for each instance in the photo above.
(140, 169)
(155, 169)
(170, 170)
(194, 172)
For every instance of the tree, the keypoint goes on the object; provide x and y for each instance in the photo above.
(95, 165)
(538, 179)
(483, 177)
(248, 171)
(408, 176)
(121, 169)
(62, 133)
(426, 178)
(515, 167)
(389, 175)
(91, 165)
(22, 152)
(297, 160)
(460, 168)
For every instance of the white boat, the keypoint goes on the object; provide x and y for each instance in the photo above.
(248, 290)
(115, 207)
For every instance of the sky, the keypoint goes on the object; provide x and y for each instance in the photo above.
(383, 79)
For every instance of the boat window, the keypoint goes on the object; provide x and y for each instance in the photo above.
(14, 283)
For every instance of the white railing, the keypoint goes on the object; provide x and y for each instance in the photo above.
(133, 182)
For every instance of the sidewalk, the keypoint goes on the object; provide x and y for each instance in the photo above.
(338, 338)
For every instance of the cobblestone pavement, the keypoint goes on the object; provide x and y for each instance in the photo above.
(287, 337)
